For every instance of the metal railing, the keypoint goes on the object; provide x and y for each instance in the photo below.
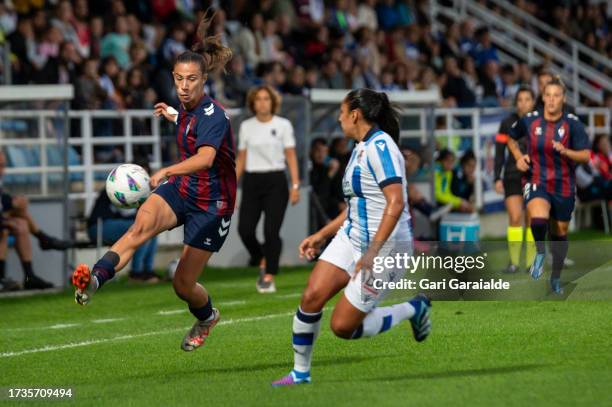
(536, 25)
(475, 128)
(517, 44)
(457, 128)
(42, 136)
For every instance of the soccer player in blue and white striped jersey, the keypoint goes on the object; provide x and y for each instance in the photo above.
(375, 223)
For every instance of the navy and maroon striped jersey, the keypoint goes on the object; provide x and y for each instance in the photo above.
(212, 190)
(548, 168)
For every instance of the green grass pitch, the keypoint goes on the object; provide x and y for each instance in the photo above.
(123, 349)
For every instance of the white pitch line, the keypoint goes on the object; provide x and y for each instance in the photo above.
(107, 320)
(127, 337)
(292, 295)
(172, 312)
(62, 326)
(230, 303)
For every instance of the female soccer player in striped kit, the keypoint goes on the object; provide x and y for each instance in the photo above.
(376, 220)
(556, 142)
(512, 184)
(198, 192)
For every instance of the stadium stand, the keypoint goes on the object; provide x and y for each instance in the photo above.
(117, 54)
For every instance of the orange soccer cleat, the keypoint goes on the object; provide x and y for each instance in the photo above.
(81, 279)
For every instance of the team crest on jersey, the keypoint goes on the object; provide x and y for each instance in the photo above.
(209, 110)
(538, 131)
(561, 132)
(381, 145)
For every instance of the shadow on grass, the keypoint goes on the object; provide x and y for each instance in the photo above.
(457, 373)
(342, 360)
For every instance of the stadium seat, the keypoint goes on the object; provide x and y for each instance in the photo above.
(582, 214)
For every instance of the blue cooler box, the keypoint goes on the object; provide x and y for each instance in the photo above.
(460, 227)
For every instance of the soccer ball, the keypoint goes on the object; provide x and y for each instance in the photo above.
(127, 186)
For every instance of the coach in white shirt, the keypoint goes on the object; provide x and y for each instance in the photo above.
(266, 148)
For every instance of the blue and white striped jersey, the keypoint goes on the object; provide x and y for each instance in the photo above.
(375, 163)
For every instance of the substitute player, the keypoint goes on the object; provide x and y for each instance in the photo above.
(199, 192)
(512, 185)
(556, 141)
(374, 186)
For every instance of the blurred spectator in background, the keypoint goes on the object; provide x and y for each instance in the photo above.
(491, 84)
(594, 179)
(109, 78)
(266, 148)
(366, 15)
(115, 222)
(509, 85)
(16, 221)
(336, 44)
(462, 184)
(238, 82)
(249, 42)
(417, 201)
(443, 178)
(89, 94)
(117, 43)
(327, 198)
(61, 69)
(484, 51)
(454, 89)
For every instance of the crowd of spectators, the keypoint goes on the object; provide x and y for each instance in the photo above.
(588, 22)
(118, 52)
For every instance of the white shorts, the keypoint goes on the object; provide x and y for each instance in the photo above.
(361, 294)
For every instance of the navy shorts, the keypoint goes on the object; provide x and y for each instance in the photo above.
(513, 185)
(202, 230)
(561, 207)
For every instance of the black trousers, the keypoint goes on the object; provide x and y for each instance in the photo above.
(266, 193)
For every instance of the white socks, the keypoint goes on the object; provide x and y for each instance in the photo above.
(381, 319)
(306, 327)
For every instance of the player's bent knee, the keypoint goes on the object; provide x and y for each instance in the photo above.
(20, 226)
(312, 300)
(183, 287)
(341, 329)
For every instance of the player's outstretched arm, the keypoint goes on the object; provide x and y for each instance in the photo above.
(203, 160)
(162, 109)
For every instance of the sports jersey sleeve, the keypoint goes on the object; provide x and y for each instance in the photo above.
(518, 129)
(210, 130)
(242, 135)
(288, 136)
(384, 163)
(501, 140)
(579, 137)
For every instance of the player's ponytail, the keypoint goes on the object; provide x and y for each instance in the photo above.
(209, 52)
(376, 109)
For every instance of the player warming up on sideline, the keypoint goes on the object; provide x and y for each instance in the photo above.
(556, 141)
(198, 192)
(374, 187)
